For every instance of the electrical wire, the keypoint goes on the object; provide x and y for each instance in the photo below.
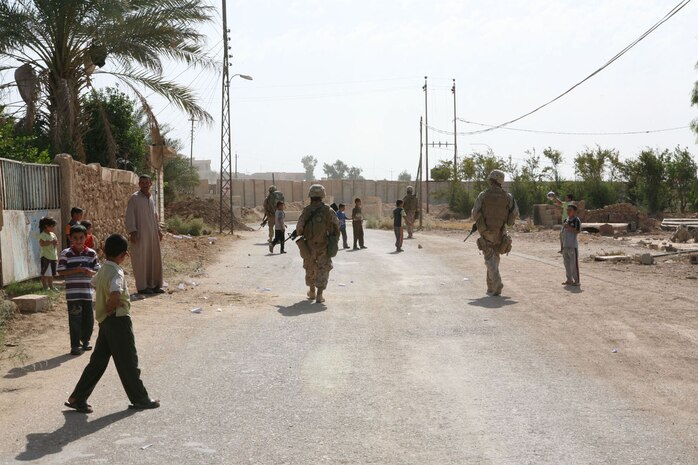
(561, 133)
(666, 17)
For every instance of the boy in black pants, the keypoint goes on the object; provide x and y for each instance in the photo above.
(115, 339)
(399, 217)
(279, 227)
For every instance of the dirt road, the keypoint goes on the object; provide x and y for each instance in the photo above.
(407, 363)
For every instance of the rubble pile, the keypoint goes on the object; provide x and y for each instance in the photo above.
(206, 209)
(620, 213)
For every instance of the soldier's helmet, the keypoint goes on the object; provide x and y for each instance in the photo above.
(272, 188)
(410, 189)
(497, 176)
(316, 190)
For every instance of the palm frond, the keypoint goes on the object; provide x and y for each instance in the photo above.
(180, 96)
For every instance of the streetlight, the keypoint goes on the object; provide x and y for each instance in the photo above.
(226, 175)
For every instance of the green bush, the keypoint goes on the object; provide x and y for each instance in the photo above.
(7, 309)
(378, 223)
(189, 226)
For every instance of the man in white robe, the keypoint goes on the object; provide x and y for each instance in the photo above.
(143, 226)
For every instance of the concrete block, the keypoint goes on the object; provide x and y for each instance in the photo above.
(32, 303)
(293, 215)
(646, 259)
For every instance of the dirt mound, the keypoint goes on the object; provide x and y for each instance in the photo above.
(206, 209)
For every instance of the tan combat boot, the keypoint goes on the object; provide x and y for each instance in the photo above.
(311, 293)
(320, 299)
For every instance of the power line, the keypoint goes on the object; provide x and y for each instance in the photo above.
(666, 17)
(561, 133)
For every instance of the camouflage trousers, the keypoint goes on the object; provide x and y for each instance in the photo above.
(270, 224)
(490, 251)
(410, 222)
(317, 268)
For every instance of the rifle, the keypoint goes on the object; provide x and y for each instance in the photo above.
(472, 231)
(292, 236)
(264, 222)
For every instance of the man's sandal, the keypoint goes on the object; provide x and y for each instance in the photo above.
(79, 406)
(149, 404)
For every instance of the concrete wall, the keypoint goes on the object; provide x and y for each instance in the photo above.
(252, 192)
(19, 243)
(102, 192)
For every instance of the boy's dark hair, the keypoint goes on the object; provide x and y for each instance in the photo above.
(87, 224)
(398, 203)
(279, 203)
(573, 207)
(115, 245)
(357, 200)
(78, 229)
(76, 211)
(45, 222)
(569, 196)
(341, 205)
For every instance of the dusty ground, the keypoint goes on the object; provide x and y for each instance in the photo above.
(408, 362)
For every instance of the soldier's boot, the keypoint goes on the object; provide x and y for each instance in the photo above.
(498, 291)
(319, 299)
(311, 293)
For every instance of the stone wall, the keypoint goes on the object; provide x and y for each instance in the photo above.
(102, 192)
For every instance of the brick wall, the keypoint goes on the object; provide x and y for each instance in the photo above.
(102, 192)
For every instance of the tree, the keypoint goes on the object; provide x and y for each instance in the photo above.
(355, 173)
(647, 179)
(57, 46)
(443, 171)
(527, 184)
(553, 171)
(340, 170)
(180, 178)
(19, 147)
(309, 163)
(478, 166)
(595, 167)
(404, 176)
(112, 112)
(682, 176)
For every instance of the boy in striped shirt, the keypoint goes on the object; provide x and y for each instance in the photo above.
(77, 264)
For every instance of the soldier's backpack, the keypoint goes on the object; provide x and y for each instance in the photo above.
(278, 197)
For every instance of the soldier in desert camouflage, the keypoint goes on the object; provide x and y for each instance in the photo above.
(319, 226)
(410, 204)
(494, 210)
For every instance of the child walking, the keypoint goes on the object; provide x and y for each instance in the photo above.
(115, 338)
(357, 224)
(343, 224)
(399, 216)
(78, 264)
(279, 227)
(49, 251)
(570, 250)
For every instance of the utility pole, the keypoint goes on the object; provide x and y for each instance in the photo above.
(455, 134)
(226, 187)
(191, 137)
(420, 174)
(426, 134)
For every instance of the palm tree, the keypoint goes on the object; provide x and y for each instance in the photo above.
(56, 46)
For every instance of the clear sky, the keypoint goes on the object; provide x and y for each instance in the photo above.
(342, 79)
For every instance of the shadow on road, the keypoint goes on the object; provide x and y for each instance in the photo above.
(76, 426)
(43, 365)
(492, 302)
(304, 307)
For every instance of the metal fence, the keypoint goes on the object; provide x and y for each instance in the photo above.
(29, 186)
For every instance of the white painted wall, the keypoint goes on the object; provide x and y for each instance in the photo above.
(19, 243)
